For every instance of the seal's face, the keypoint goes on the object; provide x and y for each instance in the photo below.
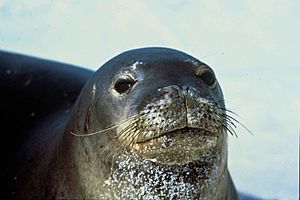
(169, 121)
(174, 106)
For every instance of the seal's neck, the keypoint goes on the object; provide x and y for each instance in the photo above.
(143, 179)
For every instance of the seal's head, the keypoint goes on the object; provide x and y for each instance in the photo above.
(153, 123)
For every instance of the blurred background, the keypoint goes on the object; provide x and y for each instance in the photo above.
(252, 45)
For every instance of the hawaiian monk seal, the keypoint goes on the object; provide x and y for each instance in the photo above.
(149, 124)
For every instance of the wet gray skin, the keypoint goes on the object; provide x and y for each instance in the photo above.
(150, 124)
(154, 127)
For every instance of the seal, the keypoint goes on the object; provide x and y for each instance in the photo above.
(151, 123)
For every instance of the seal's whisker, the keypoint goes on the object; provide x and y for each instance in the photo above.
(122, 136)
(235, 120)
(229, 127)
(231, 131)
(111, 127)
(227, 123)
(120, 133)
(124, 131)
(227, 110)
(94, 133)
(127, 133)
(228, 120)
(124, 140)
(135, 135)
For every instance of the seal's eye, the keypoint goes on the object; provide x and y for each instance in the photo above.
(208, 77)
(123, 84)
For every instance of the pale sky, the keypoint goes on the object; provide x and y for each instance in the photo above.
(253, 46)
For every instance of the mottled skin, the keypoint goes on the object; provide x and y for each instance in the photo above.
(178, 150)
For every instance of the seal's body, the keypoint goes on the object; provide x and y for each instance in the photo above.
(37, 98)
(150, 123)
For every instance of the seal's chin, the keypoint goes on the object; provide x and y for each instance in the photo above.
(180, 146)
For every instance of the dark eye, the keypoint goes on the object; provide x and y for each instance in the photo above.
(123, 84)
(208, 77)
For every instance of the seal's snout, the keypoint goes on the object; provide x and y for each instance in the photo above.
(178, 107)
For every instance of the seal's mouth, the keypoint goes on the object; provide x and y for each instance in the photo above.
(179, 146)
(171, 134)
